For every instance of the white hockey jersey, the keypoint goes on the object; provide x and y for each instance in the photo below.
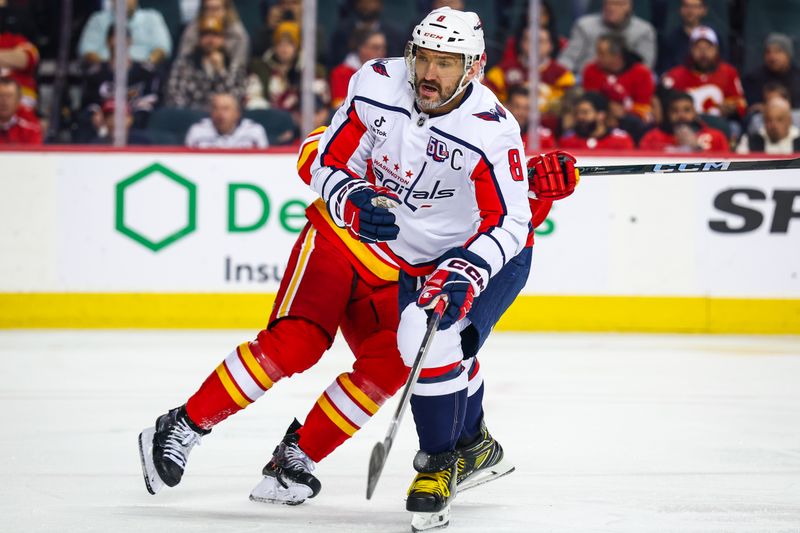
(460, 176)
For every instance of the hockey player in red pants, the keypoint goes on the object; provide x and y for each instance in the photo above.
(332, 281)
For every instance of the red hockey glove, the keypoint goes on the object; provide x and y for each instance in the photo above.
(460, 277)
(363, 209)
(552, 176)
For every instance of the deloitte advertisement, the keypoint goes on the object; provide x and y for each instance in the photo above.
(153, 223)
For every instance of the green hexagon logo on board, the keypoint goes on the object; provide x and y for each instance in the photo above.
(156, 207)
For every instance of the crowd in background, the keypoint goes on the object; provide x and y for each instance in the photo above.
(227, 73)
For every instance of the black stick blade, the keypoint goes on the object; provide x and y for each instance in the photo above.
(376, 462)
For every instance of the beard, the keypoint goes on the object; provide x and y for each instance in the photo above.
(585, 129)
(431, 104)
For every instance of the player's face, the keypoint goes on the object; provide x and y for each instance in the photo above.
(704, 54)
(437, 77)
(681, 112)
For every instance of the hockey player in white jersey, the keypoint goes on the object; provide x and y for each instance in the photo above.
(424, 128)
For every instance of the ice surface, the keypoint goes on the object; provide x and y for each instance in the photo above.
(610, 433)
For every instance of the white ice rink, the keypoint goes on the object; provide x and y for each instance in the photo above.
(612, 433)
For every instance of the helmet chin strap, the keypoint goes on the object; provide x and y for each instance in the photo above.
(459, 89)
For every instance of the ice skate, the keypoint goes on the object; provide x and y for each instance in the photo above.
(164, 448)
(432, 491)
(287, 477)
(481, 461)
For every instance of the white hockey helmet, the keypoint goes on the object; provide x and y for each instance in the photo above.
(448, 30)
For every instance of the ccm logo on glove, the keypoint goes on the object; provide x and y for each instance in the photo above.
(460, 278)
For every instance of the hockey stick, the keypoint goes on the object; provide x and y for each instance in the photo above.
(381, 449)
(706, 166)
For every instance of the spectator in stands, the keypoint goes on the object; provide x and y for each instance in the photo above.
(235, 38)
(547, 22)
(621, 77)
(519, 105)
(363, 15)
(144, 84)
(368, 44)
(207, 70)
(683, 131)
(591, 130)
(673, 46)
(755, 121)
(777, 136)
(15, 129)
(713, 83)
(150, 39)
(282, 11)
(19, 59)
(105, 127)
(778, 67)
(617, 17)
(226, 128)
(274, 79)
(774, 89)
(512, 71)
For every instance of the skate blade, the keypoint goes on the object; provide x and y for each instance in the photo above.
(151, 479)
(430, 521)
(485, 475)
(269, 490)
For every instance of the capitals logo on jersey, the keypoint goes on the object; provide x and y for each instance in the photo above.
(379, 66)
(493, 115)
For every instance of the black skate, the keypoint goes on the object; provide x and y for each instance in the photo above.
(481, 461)
(287, 477)
(164, 449)
(432, 490)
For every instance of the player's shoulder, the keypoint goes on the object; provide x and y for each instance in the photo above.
(483, 113)
(379, 75)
